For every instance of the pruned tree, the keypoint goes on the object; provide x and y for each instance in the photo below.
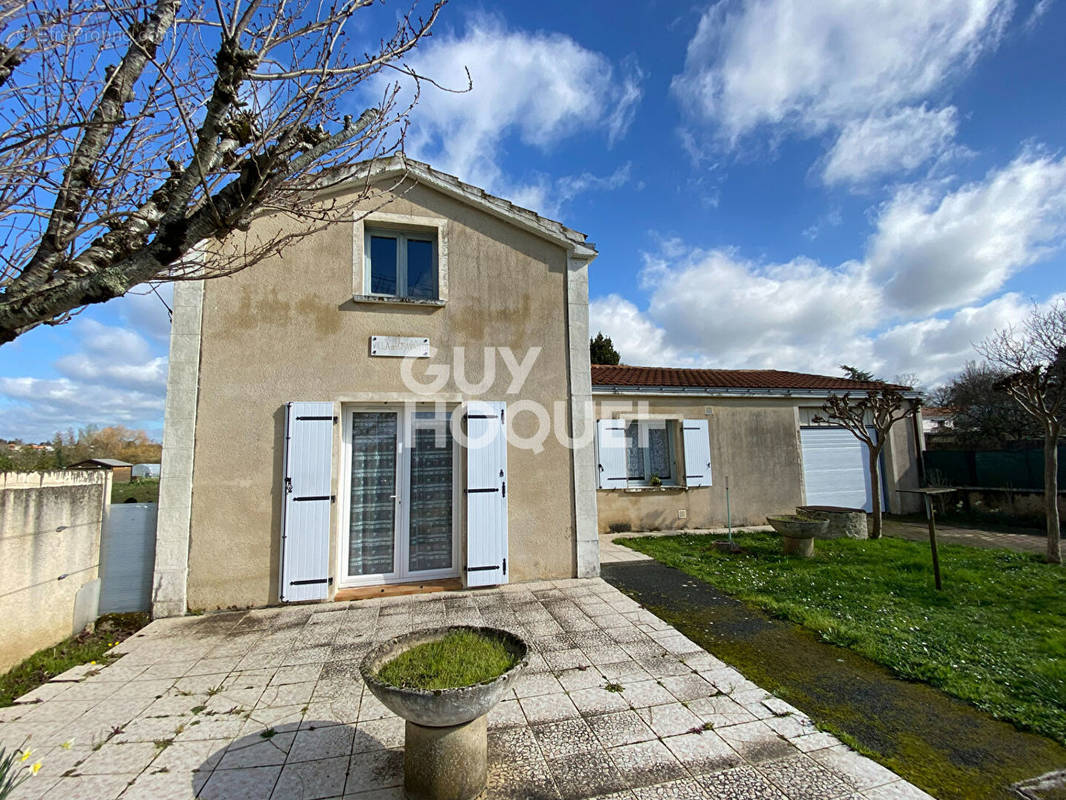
(601, 350)
(879, 409)
(1033, 358)
(137, 132)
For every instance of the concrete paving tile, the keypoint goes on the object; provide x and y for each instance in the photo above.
(586, 775)
(188, 757)
(675, 790)
(513, 744)
(863, 773)
(608, 654)
(548, 708)
(166, 786)
(538, 683)
(620, 728)
(703, 752)
(815, 741)
(506, 714)
(257, 751)
(741, 783)
(372, 708)
(802, 778)
(672, 719)
(147, 729)
(374, 733)
(220, 726)
(627, 671)
(520, 780)
(241, 784)
(720, 711)
(663, 666)
(598, 700)
(643, 694)
(337, 710)
(756, 742)
(89, 787)
(790, 727)
(312, 780)
(570, 736)
(329, 742)
(375, 769)
(558, 660)
(111, 758)
(300, 673)
(646, 763)
(900, 790)
(580, 678)
(688, 687)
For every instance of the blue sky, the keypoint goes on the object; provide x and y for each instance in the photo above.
(770, 184)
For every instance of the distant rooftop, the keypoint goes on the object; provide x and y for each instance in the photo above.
(102, 462)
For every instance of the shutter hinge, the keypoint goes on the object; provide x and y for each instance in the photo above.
(505, 566)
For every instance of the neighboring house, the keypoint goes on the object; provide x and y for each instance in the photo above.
(145, 470)
(937, 419)
(669, 442)
(301, 454)
(121, 471)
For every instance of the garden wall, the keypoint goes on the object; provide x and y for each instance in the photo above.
(50, 526)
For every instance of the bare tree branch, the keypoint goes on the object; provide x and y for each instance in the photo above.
(136, 131)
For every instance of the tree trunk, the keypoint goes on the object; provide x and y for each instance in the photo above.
(1051, 494)
(875, 494)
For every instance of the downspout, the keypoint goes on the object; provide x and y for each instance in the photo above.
(916, 426)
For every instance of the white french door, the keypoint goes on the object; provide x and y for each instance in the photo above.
(399, 500)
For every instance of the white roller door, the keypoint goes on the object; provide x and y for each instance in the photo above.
(836, 468)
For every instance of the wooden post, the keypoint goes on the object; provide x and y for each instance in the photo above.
(931, 516)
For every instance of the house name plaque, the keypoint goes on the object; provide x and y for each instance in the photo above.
(399, 346)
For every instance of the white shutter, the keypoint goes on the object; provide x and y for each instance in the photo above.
(611, 453)
(697, 444)
(486, 494)
(307, 500)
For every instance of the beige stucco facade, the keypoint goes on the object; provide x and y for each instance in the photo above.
(754, 445)
(289, 330)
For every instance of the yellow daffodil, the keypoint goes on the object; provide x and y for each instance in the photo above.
(26, 755)
(35, 768)
(67, 745)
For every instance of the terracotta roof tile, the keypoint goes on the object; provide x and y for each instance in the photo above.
(623, 375)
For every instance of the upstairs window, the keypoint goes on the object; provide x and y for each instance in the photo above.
(401, 264)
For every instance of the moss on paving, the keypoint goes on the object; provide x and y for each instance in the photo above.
(84, 648)
(995, 636)
(945, 746)
(461, 658)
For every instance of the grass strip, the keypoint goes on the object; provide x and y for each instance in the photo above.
(460, 658)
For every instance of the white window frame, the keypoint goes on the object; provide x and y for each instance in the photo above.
(642, 428)
(401, 524)
(417, 227)
(402, 238)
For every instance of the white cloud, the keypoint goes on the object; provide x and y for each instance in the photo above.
(113, 379)
(833, 66)
(898, 141)
(934, 251)
(539, 87)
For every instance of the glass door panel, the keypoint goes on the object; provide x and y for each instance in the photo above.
(372, 524)
(430, 527)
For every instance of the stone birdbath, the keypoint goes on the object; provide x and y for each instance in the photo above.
(798, 533)
(445, 740)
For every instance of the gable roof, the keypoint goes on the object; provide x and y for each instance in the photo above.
(400, 166)
(102, 462)
(621, 375)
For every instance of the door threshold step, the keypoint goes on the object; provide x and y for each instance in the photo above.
(399, 589)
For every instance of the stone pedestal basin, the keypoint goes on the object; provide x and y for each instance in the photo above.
(843, 522)
(798, 533)
(445, 744)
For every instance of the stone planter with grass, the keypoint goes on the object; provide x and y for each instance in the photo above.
(798, 533)
(443, 682)
(844, 522)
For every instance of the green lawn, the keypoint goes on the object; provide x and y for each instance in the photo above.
(996, 635)
(139, 490)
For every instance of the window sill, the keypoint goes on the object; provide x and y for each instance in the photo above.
(659, 489)
(373, 299)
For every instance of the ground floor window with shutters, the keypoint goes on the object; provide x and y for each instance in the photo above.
(632, 454)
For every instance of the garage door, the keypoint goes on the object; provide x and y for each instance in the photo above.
(836, 468)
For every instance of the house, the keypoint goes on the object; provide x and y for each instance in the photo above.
(146, 470)
(121, 471)
(938, 419)
(336, 417)
(693, 448)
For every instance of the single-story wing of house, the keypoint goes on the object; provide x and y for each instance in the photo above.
(405, 397)
(120, 470)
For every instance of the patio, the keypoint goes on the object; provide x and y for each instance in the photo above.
(268, 704)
